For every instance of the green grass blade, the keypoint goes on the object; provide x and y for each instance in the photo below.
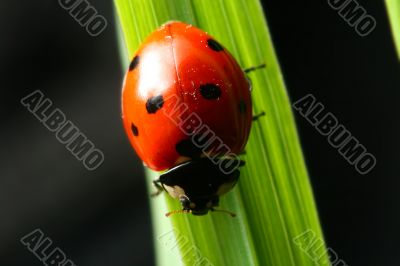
(273, 200)
(393, 8)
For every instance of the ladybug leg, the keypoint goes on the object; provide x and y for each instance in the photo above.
(257, 116)
(250, 69)
(159, 188)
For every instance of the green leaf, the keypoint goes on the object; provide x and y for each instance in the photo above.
(273, 199)
(393, 8)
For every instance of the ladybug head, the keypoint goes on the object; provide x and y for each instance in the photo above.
(198, 183)
(199, 206)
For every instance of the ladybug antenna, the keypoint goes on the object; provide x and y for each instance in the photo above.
(232, 214)
(177, 211)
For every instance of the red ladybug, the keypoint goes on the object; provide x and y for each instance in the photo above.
(186, 108)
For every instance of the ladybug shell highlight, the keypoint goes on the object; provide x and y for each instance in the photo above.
(180, 73)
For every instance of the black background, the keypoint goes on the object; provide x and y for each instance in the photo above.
(102, 217)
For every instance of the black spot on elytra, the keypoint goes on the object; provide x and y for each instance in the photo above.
(242, 107)
(214, 45)
(134, 63)
(210, 91)
(154, 104)
(188, 149)
(135, 130)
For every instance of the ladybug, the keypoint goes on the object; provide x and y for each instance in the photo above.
(186, 109)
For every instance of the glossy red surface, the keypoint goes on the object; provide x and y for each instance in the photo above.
(174, 62)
